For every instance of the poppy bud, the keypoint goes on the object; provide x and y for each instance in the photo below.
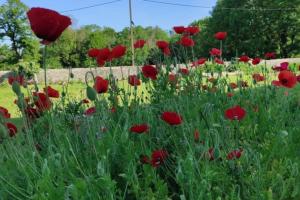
(91, 93)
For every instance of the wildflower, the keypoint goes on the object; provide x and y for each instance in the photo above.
(100, 85)
(287, 79)
(149, 72)
(179, 29)
(139, 128)
(12, 129)
(134, 80)
(171, 118)
(256, 61)
(158, 157)
(244, 59)
(4, 112)
(51, 92)
(215, 52)
(235, 113)
(139, 44)
(118, 51)
(221, 35)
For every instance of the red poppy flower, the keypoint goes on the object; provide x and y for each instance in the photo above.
(162, 44)
(12, 129)
(167, 51)
(100, 62)
(90, 111)
(211, 153)
(202, 61)
(287, 79)
(196, 135)
(93, 53)
(105, 54)
(4, 112)
(234, 154)
(270, 55)
(298, 78)
(235, 113)
(41, 101)
(172, 78)
(139, 44)
(276, 83)
(281, 67)
(184, 71)
(31, 113)
(139, 128)
(134, 80)
(244, 59)
(230, 94)
(149, 72)
(192, 30)
(233, 85)
(215, 52)
(158, 157)
(47, 24)
(221, 35)
(17, 78)
(101, 85)
(219, 61)
(118, 51)
(51, 92)
(171, 118)
(145, 159)
(179, 29)
(258, 77)
(187, 41)
(256, 61)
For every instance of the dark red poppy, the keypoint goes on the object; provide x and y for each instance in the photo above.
(18, 78)
(149, 72)
(167, 51)
(221, 35)
(172, 78)
(4, 112)
(219, 61)
(256, 61)
(233, 85)
(211, 153)
(270, 55)
(184, 71)
(192, 30)
(118, 51)
(196, 135)
(31, 113)
(51, 92)
(100, 85)
(202, 61)
(134, 80)
(158, 157)
(100, 62)
(90, 111)
(139, 44)
(230, 94)
(47, 24)
(281, 67)
(187, 41)
(12, 129)
(235, 113)
(215, 52)
(93, 53)
(41, 101)
(162, 44)
(276, 83)
(85, 101)
(139, 128)
(287, 79)
(258, 77)
(104, 54)
(145, 159)
(171, 118)
(179, 29)
(235, 154)
(244, 58)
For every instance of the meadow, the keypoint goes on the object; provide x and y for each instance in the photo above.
(167, 132)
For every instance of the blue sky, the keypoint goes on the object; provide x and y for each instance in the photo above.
(116, 15)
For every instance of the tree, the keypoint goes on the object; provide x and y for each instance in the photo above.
(14, 27)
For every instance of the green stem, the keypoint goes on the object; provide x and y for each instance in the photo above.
(44, 64)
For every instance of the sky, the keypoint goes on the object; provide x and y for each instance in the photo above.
(116, 15)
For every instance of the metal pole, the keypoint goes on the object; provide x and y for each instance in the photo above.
(131, 34)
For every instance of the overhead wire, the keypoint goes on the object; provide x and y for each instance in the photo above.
(91, 6)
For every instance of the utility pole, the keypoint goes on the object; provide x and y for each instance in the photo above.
(131, 34)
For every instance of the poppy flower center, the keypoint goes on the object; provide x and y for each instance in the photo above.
(284, 81)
